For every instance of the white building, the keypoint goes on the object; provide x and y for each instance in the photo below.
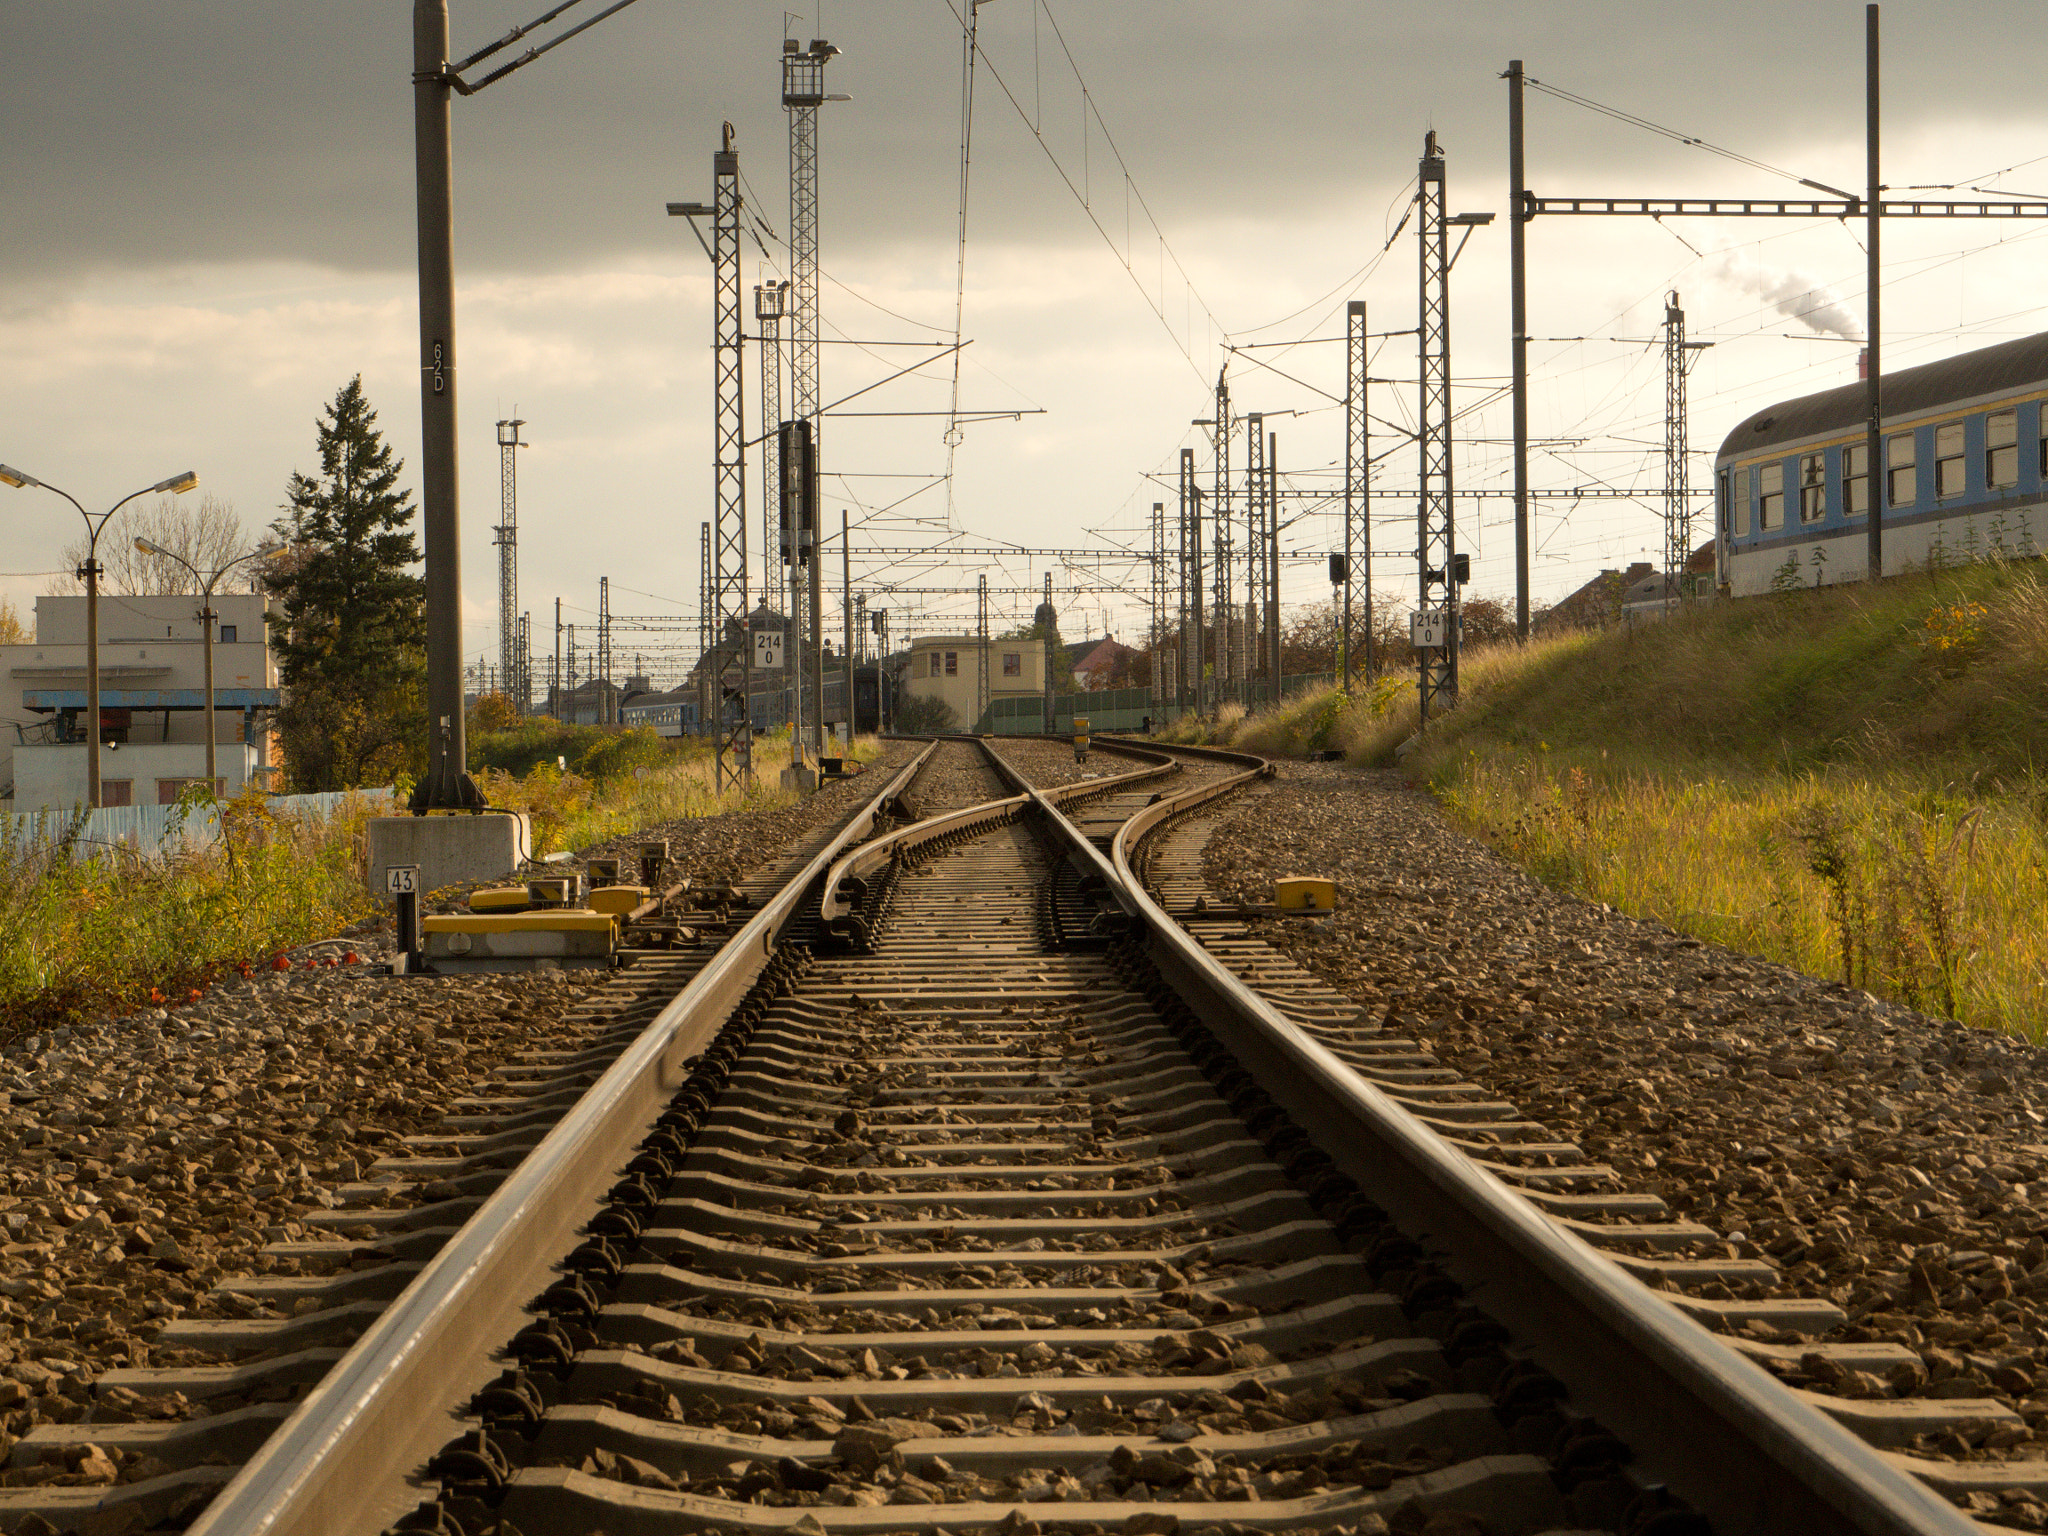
(152, 700)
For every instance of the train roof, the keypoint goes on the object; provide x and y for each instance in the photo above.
(2007, 367)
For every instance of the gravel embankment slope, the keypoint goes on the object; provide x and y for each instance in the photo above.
(1892, 1162)
(143, 1158)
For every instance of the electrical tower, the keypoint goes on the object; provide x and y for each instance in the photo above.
(803, 92)
(1219, 515)
(1678, 510)
(602, 670)
(1357, 571)
(1254, 545)
(1157, 573)
(982, 666)
(522, 697)
(1272, 543)
(507, 540)
(732, 642)
(1192, 639)
(707, 718)
(771, 301)
(1437, 664)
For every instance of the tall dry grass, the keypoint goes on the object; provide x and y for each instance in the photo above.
(88, 930)
(1925, 896)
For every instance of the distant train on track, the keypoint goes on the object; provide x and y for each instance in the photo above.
(1965, 474)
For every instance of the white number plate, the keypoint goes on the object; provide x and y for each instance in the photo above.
(1428, 630)
(402, 880)
(768, 650)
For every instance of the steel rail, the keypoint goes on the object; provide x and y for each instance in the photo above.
(846, 888)
(1721, 1431)
(364, 1433)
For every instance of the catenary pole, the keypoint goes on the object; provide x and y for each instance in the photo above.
(447, 785)
(1879, 479)
(1518, 341)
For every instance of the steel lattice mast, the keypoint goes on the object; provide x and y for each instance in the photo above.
(1219, 513)
(982, 691)
(1437, 666)
(603, 668)
(803, 92)
(1357, 497)
(707, 719)
(1190, 510)
(507, 540)
(1678, 508)
(1157, 643)
(733, 644)
(1254, 547)
(770, 299)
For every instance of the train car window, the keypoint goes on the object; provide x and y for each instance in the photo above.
(1949, 480)
(1738, 503)
(1899, 461)
(1855, 479)
(1770, 496)
(2002, 450)
(1013, 664)
(1813, 487)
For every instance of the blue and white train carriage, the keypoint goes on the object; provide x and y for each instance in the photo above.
(1965, 474)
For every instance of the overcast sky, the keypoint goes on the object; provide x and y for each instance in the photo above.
(209, 228)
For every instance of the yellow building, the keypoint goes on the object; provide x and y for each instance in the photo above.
(948, 668)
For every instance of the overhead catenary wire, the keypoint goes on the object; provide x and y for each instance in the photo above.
(1082, 193)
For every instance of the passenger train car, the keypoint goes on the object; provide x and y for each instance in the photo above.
(1965, 474)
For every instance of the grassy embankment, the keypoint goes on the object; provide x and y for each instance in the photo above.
(111, 931)
(1851, 781)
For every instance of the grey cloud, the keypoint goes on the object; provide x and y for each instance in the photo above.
(212, 130)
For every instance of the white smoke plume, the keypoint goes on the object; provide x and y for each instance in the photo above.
(1795, 295)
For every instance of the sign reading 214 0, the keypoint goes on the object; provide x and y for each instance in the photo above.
(768, 650)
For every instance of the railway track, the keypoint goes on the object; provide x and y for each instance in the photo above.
(967, 1185)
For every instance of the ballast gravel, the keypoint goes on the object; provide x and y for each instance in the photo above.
(144, 1158)
(1892, 1162)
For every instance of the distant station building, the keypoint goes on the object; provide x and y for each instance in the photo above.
(152, 701)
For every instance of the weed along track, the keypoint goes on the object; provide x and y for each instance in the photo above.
(981, 1180)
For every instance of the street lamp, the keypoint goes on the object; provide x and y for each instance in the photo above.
(206, 618)
(177, 485)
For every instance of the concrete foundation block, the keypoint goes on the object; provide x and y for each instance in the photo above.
(449, 849)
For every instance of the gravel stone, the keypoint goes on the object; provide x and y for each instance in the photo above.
(1889, 1161)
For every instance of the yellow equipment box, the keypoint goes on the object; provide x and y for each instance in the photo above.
(510, 941)
(499, 898)
(617, 900)
(1305, 893)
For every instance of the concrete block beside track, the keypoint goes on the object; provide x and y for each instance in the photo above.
(449, 849)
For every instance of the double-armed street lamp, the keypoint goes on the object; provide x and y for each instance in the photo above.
(206, 618)
(177, 485)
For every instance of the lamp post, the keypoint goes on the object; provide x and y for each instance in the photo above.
(177, 485)
(206, 618)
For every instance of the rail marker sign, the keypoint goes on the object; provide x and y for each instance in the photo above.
(1429, 630)
(768, 650)
(401, 880)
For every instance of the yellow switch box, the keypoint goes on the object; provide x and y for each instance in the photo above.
(499, 898)
(1305, 893)
(617, 899)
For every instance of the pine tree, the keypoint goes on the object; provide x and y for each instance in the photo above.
(350, 631)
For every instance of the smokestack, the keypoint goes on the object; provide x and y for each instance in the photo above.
(1863, 363)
